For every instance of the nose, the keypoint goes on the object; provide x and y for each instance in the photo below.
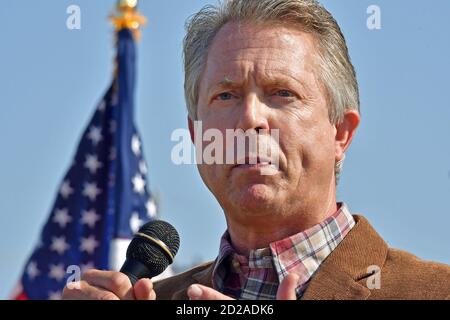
(253, 114)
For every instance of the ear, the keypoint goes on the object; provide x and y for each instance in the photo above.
(191, 128)
(345, 131)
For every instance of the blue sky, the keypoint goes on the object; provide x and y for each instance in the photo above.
(397, 171)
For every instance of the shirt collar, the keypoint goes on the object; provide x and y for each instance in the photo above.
(301, 253)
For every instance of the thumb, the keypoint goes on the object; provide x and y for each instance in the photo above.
(286, 290)
(143, 290)
(199, 292)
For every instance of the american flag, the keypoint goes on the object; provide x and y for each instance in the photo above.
(103, 198)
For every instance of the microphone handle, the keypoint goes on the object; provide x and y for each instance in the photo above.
(135, 270)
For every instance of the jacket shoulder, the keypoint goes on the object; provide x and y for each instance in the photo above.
(405, 276)
(166, 288)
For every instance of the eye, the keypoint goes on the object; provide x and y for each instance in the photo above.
(284, 93)
(224, 96)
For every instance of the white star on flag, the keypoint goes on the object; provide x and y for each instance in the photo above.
(86, 266)
(62, 217)
(92, 163)
(143, 167)
(151, 208)
(112, 126)
(112, 153)
(102, 106)
(111, 180)
(89, 217)
(114, 99)
(95, 135)
(59, 244)
(91, 191)
(136, 145)
(54, 295)
(32, 270)
(65, 189)
(57, 272)
(138, 184)
(135, 222)
(88, 244)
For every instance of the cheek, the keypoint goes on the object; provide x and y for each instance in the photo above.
(319, 153)
(217, 119)
(311, 148)
(210, 139)
(205, 173)
(214, 127)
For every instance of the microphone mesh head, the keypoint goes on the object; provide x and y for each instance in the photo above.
(148, 252)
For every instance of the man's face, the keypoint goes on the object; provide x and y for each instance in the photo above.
(266, 77)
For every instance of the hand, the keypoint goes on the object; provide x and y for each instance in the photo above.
(108, 285)
(286, 291)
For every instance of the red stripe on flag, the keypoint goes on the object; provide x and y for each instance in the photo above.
(21, 296)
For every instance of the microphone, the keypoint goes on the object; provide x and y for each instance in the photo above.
(151, 250)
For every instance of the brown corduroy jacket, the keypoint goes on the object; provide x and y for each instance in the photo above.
(347, 273)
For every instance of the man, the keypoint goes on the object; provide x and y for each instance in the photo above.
(260, 65)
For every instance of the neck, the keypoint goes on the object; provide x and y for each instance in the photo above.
(259, 231)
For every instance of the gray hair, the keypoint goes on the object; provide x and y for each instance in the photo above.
(336, 70)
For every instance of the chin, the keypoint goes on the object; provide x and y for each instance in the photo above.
(254, 197)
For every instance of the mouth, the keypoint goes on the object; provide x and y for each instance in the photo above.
(253, 163)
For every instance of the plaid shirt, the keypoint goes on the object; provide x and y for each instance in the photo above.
(258, 275)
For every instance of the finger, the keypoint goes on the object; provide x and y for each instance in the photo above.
(116, 282)
(82, 290)
(199, 292)
(286, 290)
(143, 290)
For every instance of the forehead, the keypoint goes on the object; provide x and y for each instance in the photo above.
(256, 48)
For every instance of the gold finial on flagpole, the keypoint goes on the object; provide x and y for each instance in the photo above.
(127, 17)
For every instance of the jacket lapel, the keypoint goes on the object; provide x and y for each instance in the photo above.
(335, 285)
(203, 277)
(343, 275)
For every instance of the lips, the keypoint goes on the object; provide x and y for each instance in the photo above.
(252, 161)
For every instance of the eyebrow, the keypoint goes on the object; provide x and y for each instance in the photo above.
(226, 82)
(285, 78)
